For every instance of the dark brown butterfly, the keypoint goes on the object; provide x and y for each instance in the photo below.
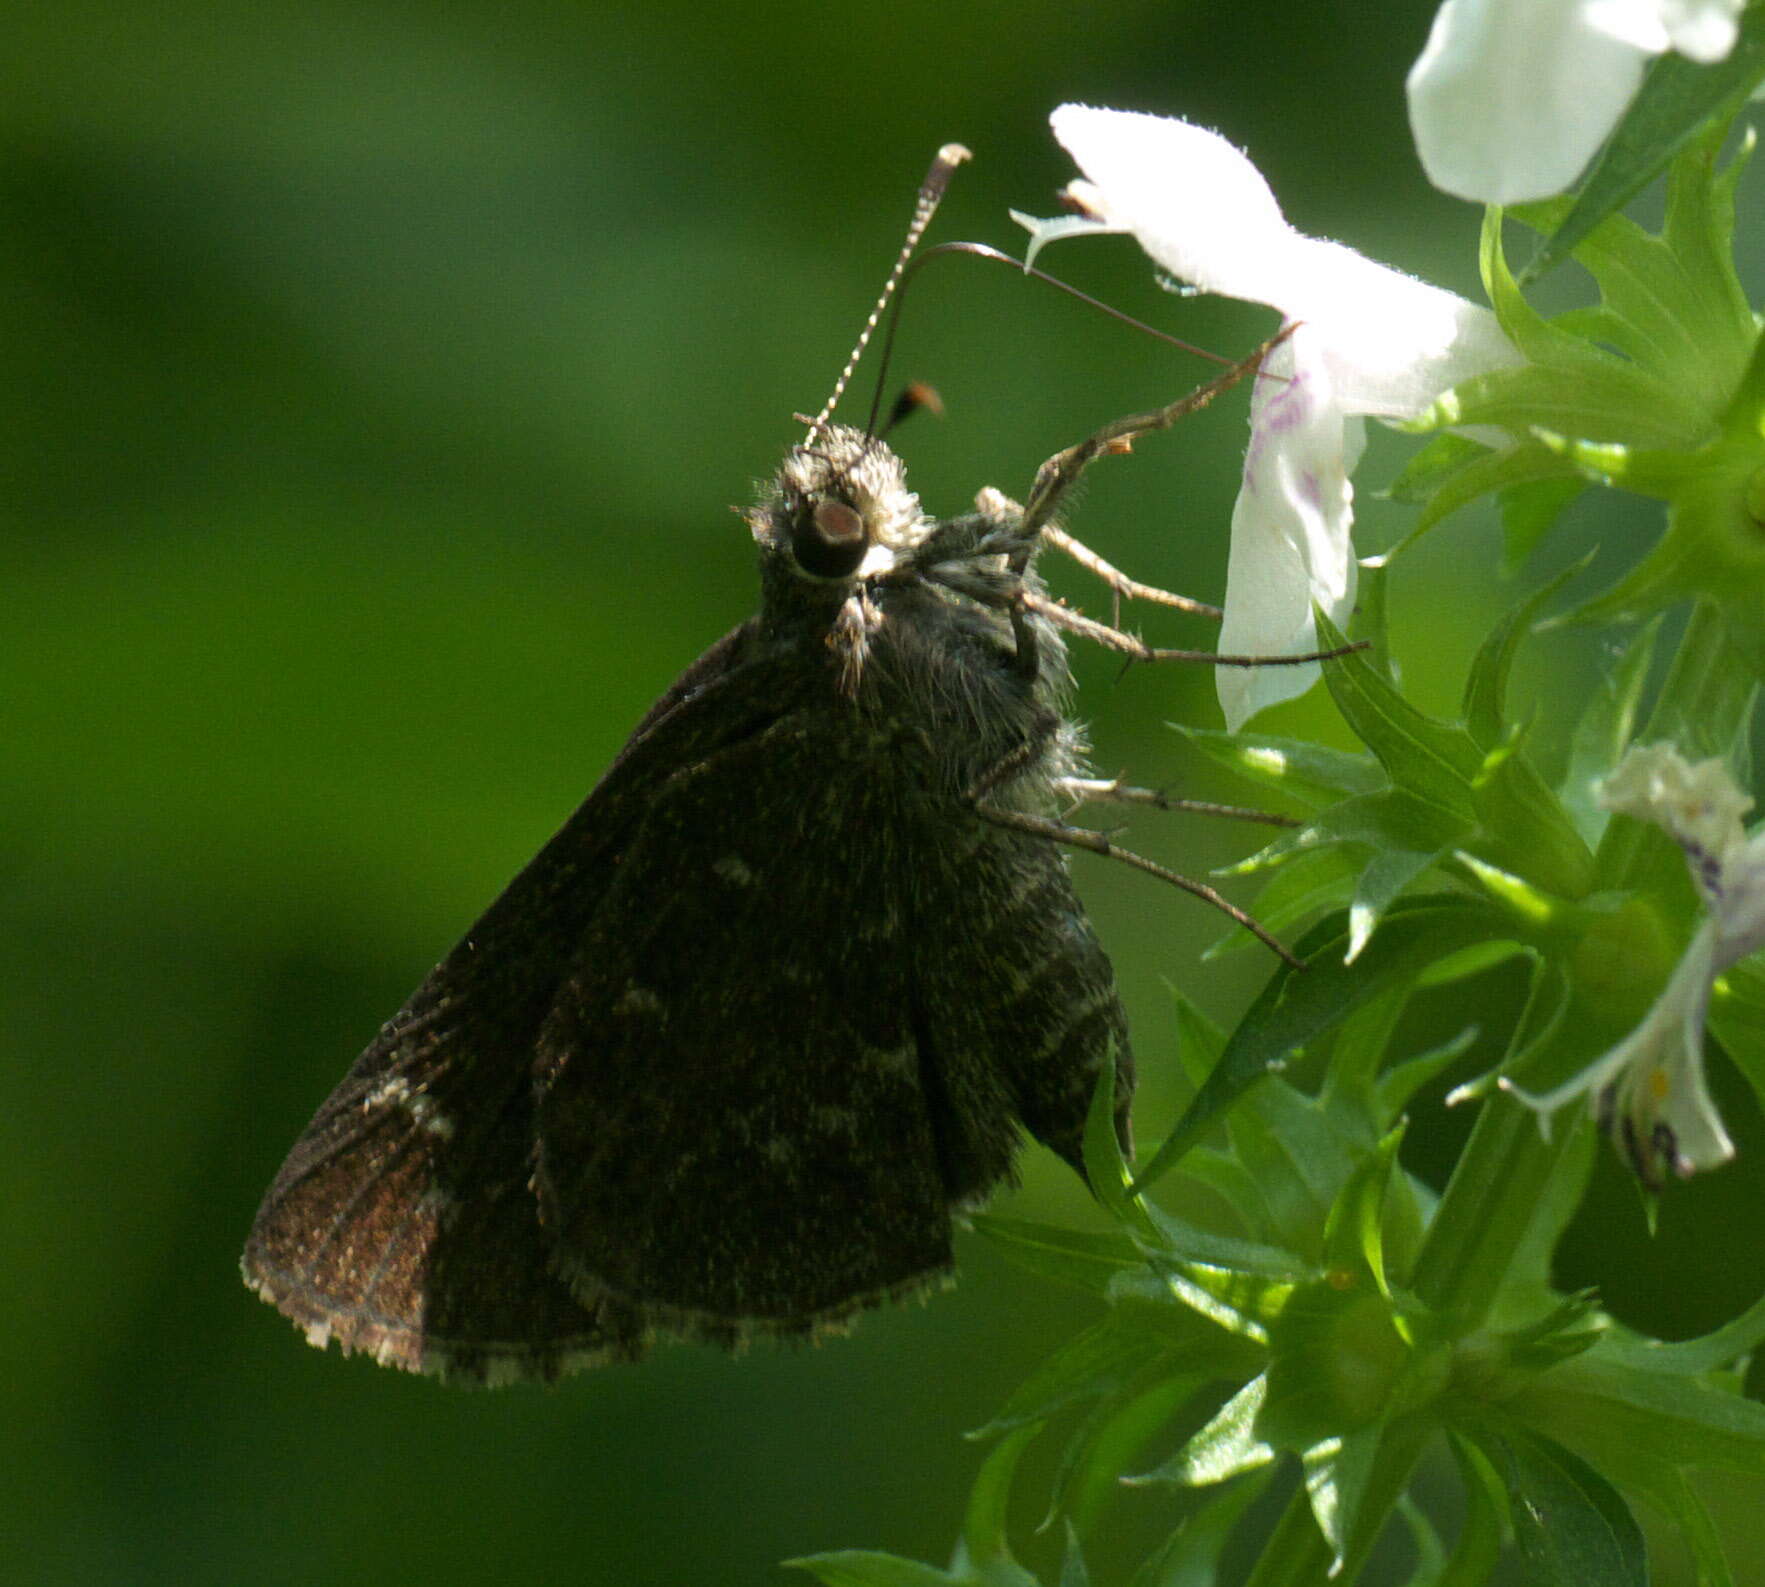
(728, 1055)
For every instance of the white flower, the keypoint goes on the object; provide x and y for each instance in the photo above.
(1371, 340)
(1649, 1090)
(1510, 99)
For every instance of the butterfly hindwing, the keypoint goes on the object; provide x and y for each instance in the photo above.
(403, 1222)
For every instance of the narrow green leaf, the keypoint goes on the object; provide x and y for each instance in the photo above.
(1524, 829)
(983, 1528)
(1072, 1565)
(1698, 1530)
(1385, 878)
(863, 1568)
(1430, 1551)
(1191, 1555)
(1090, 1473)
(1518, 467)
(1241, 1303)
(1486, 686)
(1299, 1006)
(1336, 1475)
(1430, 468)
(1071, 1256)
(1105, 1167)
(1309, 883)
(1354, 1235)
(1200, 1041)
(1183, 1241)
(1572, 1526)
(1402, 1081)
(1225, 1447)
(1098, 1362)
(1605, 727)
(1428, 759)
(1311, 772)
(1478, 1546)
(1602, 1406)
(1709, 1352)
(1529, 511)
(1361, 1044)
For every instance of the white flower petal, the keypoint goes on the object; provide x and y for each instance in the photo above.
(1195, 203)
(1371, 341)
(1702, 30)
(1510, 99)
(1290, 529)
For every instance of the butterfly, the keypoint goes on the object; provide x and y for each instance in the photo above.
(772, 1009)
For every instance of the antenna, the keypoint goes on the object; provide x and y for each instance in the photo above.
(931, 190)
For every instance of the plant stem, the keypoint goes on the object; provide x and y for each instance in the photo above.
(1485, 1214)
(1296, 1554)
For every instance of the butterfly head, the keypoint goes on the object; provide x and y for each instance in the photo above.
(839, 512)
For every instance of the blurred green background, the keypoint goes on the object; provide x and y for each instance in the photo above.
(377, 382)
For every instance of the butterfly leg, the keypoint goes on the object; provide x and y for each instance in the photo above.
(1059, 474)
(1112, 790)
(1088, 838)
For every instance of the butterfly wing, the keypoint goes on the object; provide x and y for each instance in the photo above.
(403, 1223)
(737, 1128)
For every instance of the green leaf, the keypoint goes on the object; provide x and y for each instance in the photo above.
(1091, 1470)
(1605, 727)
(1191, 1555)
(1529, 510)
(1402, 1081)
(1098, 1362)
(1336, 1476)
(1486, 686)
(983, 1528)
(863, 1568)
(1698, 1530)
(1354, 1235)
(1225, 1447)
(1621, 1412)
(1240, 1303)
(1692, 1357)
(1337, 1362)
(1523, 827)
(1105, 1168)
(1362, 1041)
(1520, 467)
(1308, 882)
(1310, 772)
(1444, 456)
(1185, 1242)
(1072, 1565)
(1432, 761)
(1678, 99)
(1572, 1527)
(1477, 1548)
(1430, 1552)
(1297, 1007)
(1300, 1155)
(1070, 1256)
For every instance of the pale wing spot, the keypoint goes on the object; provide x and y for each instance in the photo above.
(734, 870)
(422, 1109)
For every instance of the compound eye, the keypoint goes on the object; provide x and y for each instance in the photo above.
(830, 541)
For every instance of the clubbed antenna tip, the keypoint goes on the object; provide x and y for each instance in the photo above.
(931, 191)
